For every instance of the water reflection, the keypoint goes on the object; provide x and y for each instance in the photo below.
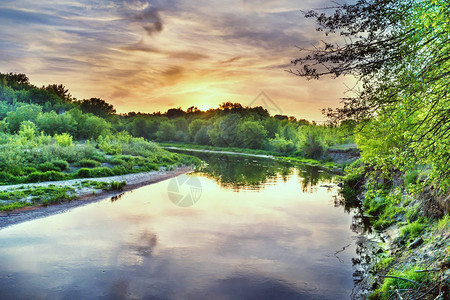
(257, 233)
(241, 172)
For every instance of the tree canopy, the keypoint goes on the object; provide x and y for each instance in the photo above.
(399, 51)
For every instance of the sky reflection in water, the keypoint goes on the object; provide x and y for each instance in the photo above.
(261, 235)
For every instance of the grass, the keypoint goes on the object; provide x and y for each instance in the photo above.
(100, 185)
(390, 285)
(45, 195)
(414, 229)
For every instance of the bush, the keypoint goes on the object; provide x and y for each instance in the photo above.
(48, 166)
(411, 177)
(83, 173)
(413, 230)
(63, 140)
(116, 161)
(7, 178)
(61, 164)
(45, 176)
(312, 147)
(28, 170)
(114, 185)
(88, 163)
(391, 284)
(101, 172)
(281, 145)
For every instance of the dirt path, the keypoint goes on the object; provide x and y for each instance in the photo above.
(84, 195)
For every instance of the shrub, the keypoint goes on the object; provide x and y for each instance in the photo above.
(45, 176)
(114, 185)
(119, 170)
(5, 177)
(83, 173)
(28, 170)
(101, 172)
(281, 145)
(413, 230)
(63, 140)
(48, 166)
(61, 164)
(391, 284)
(411, 177)
(88, 163)
(116, 161)
(312, 147)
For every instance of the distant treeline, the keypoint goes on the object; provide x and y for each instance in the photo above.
(53, 110)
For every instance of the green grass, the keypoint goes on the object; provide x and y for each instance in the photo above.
(390, 285)
(100, 185)
(45, 195)
(413, 230)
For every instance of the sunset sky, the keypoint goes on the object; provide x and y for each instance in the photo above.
(153, 55)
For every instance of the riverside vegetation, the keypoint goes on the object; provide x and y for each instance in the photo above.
(47, 135)
(399, 52)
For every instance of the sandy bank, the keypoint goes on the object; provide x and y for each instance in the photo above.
(84, 195)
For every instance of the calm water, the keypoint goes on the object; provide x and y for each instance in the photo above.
(259, 230)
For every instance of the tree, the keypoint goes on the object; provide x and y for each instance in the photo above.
(59, 90)
(166, 132)
(223, 132)
(399, 51)
(251, 134)
(94, 126)
(52, 123)
(97, 107)
(195, 126)
(26, 112)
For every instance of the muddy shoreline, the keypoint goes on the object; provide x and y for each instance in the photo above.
(133, 181)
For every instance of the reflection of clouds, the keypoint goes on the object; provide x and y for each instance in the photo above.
(251, 286)
(145, 244)
(231, 245)
(228, 49)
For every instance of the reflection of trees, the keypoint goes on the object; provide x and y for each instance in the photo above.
(240, 172)
(243, 172)
(311, 176)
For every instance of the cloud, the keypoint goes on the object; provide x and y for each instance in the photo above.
(143, 55)
(149, 19)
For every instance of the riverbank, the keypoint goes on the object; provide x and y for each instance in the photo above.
(339, 157)
(407, 254)
(79, 192)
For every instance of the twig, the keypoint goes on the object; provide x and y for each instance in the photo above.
(430, 290)
(430, 270)
(400, 296)
(395, 277)
(343, 248)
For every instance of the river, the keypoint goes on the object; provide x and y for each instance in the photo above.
(240, 228)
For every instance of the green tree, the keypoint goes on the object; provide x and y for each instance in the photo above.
(399, 51)
(27, 131)
(223, 132)
(166, 132)
(195, 126)
(52, 123)
(97, 106)
(94, 126)
(251, 134)
(26, 112)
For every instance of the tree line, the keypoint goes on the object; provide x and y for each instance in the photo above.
(52, 110)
